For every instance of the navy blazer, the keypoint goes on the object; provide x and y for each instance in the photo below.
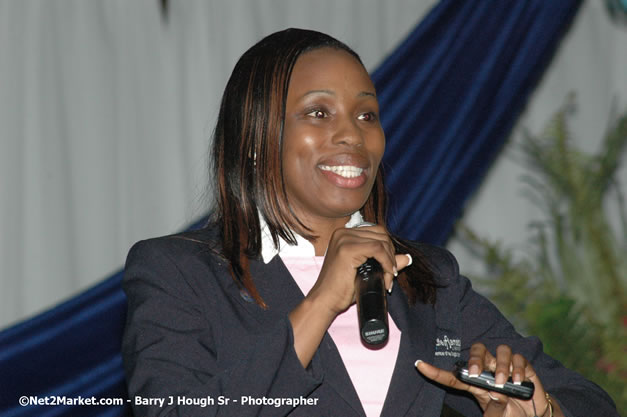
(195, 342)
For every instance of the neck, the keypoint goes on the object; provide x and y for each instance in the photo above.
(324, 228)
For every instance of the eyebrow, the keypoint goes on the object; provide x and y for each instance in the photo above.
(361, 94)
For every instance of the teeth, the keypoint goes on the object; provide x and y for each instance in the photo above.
(345, 171)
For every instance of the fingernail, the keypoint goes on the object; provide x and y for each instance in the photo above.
(473, 372)
(417, 362)
(395, 271)
(517, 378)
(499, 385)
(390, 289)
(410, 259)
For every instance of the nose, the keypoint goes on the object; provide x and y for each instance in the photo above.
(348, 133)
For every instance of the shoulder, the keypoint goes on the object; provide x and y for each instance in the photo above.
(183, 266)
(177, 246)
(189, 257)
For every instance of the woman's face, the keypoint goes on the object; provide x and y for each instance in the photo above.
(333, 140)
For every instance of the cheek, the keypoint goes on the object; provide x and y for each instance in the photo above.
(299, 149)
(294, 168)
(297, 162)
(376, 146)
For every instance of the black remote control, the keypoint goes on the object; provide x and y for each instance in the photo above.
(486, 381)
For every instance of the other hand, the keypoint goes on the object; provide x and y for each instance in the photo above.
(504, 365)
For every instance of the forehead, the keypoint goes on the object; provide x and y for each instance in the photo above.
(326, 68)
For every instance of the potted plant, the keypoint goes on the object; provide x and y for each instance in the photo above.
(570, 287)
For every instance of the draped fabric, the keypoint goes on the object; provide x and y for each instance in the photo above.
(449, 95)
(72, 350)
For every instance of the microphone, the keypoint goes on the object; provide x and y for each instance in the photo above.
(372, 308)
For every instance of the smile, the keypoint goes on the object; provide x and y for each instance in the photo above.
(346, 171)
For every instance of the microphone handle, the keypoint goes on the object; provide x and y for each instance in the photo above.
(372, 308)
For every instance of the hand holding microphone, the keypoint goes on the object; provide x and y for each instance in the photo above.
(335, 289)
(351, 250)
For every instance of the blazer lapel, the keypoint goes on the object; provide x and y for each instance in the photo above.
(336, 375)
(418, 332)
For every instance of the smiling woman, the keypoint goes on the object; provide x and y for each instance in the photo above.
(255, 312)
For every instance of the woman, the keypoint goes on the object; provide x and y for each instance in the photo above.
(254, 314)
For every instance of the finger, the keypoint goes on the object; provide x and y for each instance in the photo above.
(539, 396)
(361, 251)
(371, 242)
(441, 376)
(503, 363)
(374, 228)
(384, 254)
(388, 282)
(391, 252)
(377, 241)
(496, 405)
(489, 362)
(378, 233)
(371, 232)
(476, 359)
(519, 363)
(403, 261)
(361, 234)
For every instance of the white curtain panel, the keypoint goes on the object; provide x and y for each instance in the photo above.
(106, 111)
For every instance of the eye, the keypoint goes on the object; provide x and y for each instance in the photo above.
(367, 117)
(317, 113)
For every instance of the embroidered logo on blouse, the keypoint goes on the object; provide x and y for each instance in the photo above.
(447, 347)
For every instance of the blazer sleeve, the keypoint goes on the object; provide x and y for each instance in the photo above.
(170, 354)
(483, 322)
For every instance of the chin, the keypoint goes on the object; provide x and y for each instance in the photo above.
(343, 210)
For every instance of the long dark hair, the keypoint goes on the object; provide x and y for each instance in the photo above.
(247, 149)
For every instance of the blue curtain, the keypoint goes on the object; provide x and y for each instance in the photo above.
(71, 350)
(450, 94)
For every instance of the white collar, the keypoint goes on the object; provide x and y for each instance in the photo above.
(303, 247)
